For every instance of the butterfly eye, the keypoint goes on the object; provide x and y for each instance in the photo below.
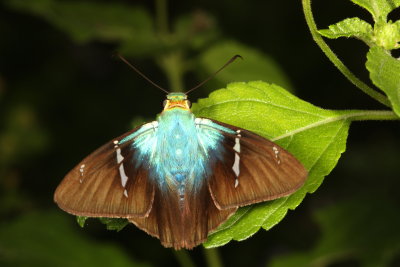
(164, 103)
(189, 103)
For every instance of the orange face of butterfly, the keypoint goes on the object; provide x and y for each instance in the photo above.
(176, 100)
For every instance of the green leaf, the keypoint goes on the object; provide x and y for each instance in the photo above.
(254, 66)
(88, 21)
(46, 239)
(350, 27)
(378, 8)
(385, 73)
(81, 220)
(352, 230)
(316, 136)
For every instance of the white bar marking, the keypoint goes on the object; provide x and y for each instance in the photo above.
(122, 174)
(120, 158)
(236, 164)
(236, 147)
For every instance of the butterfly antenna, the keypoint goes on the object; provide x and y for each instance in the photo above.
(215, 73)
(140, 73)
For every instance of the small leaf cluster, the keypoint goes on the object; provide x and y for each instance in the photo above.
(382, 37)
(383, 33)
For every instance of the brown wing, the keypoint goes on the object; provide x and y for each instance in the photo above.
(182, 224)
(107, 183)
(253, 170)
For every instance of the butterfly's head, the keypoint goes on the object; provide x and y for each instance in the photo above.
(176, 100)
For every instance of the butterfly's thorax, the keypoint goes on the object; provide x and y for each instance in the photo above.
(179, 163)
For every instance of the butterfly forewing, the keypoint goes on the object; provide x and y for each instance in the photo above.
(107, 183)
(253, 169)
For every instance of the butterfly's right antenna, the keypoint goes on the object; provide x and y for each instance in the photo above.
(140, 73)
(215, 73)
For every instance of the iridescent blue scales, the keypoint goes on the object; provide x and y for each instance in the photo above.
(180, 177)
(178, 148)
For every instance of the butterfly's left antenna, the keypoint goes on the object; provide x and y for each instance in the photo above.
(140, 73)
(215, 73)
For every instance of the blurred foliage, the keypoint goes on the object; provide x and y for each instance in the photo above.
(23, 243)
(253, 66)
(61, 96)
(135, 35)
(352, 231)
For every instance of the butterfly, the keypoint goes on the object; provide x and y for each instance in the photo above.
(179, 177)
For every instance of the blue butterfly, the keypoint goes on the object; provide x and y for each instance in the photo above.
(179, 177)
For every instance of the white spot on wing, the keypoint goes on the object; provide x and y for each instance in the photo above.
(82, 169)
(120, 158)
(237, 145)
(125, 193)
(276, 151)
(122, 174)
(236, 164)
(178, 151)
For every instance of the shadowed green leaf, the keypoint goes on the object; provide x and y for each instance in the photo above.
(350, 27)
(254, 66)
(116, 224)
(378, 8)
(47, 239)
(385, 73)
(316, 136)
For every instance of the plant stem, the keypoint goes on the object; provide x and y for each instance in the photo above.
(172, 61)
(212, 257)
(172, 64)
(183, 257)
(336, 61)
(162, 17)
(373, 115)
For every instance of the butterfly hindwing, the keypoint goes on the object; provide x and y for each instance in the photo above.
(182, 224)
(253, 169)
(108, 183)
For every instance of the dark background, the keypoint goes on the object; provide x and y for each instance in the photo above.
(60, 99)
